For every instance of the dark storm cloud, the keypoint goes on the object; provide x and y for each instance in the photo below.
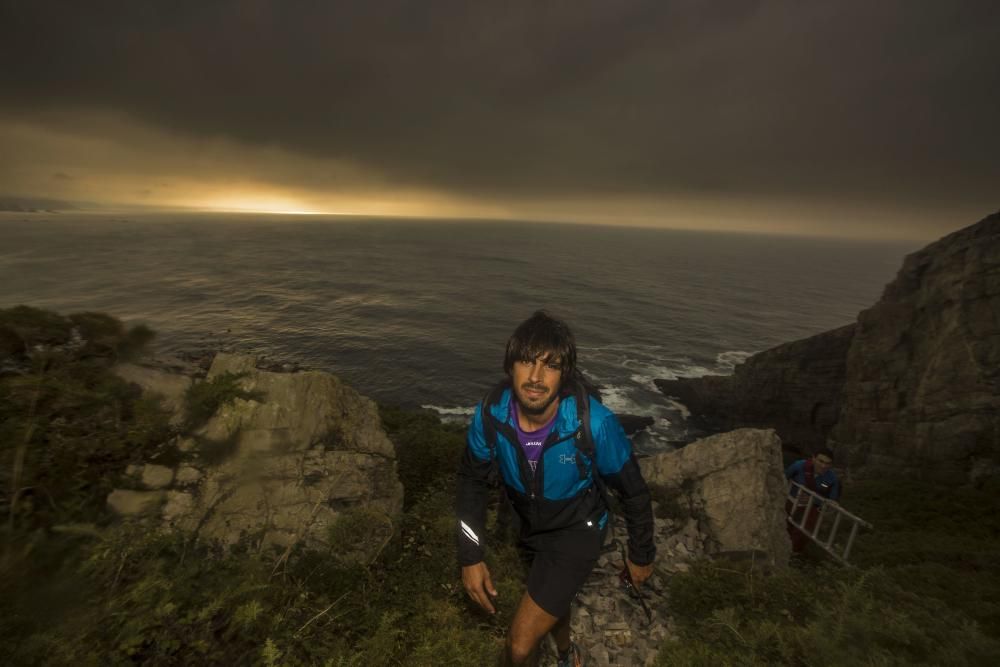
(856, 99)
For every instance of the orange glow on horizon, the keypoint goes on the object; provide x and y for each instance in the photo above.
(258, 204)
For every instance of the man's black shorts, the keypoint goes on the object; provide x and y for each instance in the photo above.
(558, 563)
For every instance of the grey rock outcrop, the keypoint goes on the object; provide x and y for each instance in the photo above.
(278, 469)
(922, 392)
(156, 380)
(911, 389)
(734, 483)
(157, 477)
(126, 502)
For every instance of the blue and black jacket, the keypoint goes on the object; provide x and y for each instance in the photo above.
(826, 485)
(562, 493)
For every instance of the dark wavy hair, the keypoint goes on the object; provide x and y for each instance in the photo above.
(544, 334)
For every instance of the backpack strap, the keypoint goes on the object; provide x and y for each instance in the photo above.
(585, 441)
(585, 445)
(809, 475)
(489, 426)
(584, 438)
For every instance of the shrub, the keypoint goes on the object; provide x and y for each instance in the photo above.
(203, 399)
(24, 327)
(427, 451)
(67, 433)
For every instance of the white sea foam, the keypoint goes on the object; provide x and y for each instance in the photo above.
(647, 372)
(463, 410)
(731, 358)
(617, 400)
(677, 369)
(680, 407)
(457, 414)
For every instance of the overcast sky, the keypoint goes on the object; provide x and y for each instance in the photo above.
(875, 117)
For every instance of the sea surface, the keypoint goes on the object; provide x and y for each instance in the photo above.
(417, 313)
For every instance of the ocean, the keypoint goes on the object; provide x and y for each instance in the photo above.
(417, 313)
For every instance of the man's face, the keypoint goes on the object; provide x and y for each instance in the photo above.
(821, 463)
(536, 382)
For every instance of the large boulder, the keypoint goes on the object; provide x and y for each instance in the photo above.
(734, 484)
(922, 391)
(280, 468)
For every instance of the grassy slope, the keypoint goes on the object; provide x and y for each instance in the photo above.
(926, 591)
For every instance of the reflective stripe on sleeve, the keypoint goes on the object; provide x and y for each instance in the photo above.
(469, 532)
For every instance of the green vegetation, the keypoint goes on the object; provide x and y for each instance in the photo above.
(428, 451)
(67, 425)
(926, 591)
(135, 596)
(203, 399)
(76, 589)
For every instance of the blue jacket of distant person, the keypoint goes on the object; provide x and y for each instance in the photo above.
(560, 494)
(826, 484)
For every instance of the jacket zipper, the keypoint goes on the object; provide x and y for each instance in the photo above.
(508, 432)
(549, 443)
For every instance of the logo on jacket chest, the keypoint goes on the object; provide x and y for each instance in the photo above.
(567, 458)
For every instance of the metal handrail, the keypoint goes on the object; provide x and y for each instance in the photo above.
(795, 497)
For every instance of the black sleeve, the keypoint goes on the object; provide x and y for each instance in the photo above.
(638, 510)
(621, 473)
(473, 494)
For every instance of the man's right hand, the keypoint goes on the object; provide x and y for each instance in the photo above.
(479, 586)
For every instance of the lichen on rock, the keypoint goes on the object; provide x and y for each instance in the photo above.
(271, 479)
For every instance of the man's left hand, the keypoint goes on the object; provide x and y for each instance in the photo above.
(639, 573)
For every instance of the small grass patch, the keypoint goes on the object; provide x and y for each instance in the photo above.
(427, 451)
(203, 399)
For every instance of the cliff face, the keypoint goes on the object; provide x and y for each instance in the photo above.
(922, 392)
(913, 388)
(793, 388)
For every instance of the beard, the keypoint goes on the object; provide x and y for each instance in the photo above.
(532, 405)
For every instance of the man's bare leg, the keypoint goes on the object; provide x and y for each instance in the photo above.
(560, 632)
(530, 624)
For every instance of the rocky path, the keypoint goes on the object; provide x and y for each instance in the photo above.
(609, 625)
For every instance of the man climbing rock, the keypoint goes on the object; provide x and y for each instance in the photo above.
(555, 449)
